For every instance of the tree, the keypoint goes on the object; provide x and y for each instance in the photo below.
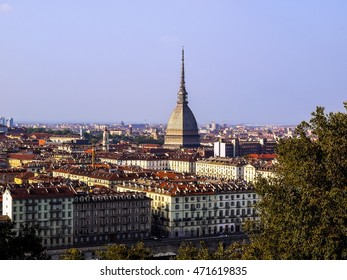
(303, 211)
(140, 252)
(72, 254)
(114, 252)
(188, 251)
(234, 251)
(123, 252)
(27, 245)
(6, 236)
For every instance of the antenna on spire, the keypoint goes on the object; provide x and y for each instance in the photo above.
(182, 70)
(182, 93)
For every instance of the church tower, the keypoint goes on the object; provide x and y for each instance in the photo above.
(182, 129)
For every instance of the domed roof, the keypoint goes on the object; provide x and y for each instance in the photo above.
(182, 119)
(182, 129)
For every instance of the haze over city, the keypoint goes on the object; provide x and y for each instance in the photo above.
(109, 61)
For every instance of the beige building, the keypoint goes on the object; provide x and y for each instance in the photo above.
(221, 168)
(196, 208)
(93, 177)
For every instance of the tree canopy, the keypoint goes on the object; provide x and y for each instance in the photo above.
(137, 251)
(303, 211)
(27, 245)
(72, 254)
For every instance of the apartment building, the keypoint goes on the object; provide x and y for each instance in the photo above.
(92, 176)
(104, 216)
(51, 208)
(193, 208)
(145, 161)
(221, 168)
(80, 215)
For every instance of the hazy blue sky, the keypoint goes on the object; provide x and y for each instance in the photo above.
(107, 61)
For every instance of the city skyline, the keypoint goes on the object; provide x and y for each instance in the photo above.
(250, 63)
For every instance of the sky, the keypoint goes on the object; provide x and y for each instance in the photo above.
(106, 61)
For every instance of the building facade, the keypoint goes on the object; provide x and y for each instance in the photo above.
(51, 208)
(197, 209)
(105, 216)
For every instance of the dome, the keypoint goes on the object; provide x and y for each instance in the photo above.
(182, 129)
(182, 119)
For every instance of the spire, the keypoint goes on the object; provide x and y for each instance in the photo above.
(182, 93)
(182, 72)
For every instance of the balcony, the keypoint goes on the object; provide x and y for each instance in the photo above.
(187, 219)
(55, 202)
(177, 220)
(30, 204)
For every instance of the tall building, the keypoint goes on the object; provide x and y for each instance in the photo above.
(10, 123)
(182, 129)
(2, 121)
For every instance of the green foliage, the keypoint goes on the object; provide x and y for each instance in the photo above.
(235, 251)
(188, 251)
(72, 254)
(303, 211)
(25, 246)
(64, 131)
(93, 138)
(123, 252)
(6, 237)
(147, 140)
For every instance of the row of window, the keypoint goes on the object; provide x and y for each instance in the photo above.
(112, 229)
(220, 204)
(113, 220)
(108, 205)
(217, 214)
(220, 197)
(38, 216)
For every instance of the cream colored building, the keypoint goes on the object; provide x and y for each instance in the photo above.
(196, 209)
(143, 161)
(92, 177)
(220, 168)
